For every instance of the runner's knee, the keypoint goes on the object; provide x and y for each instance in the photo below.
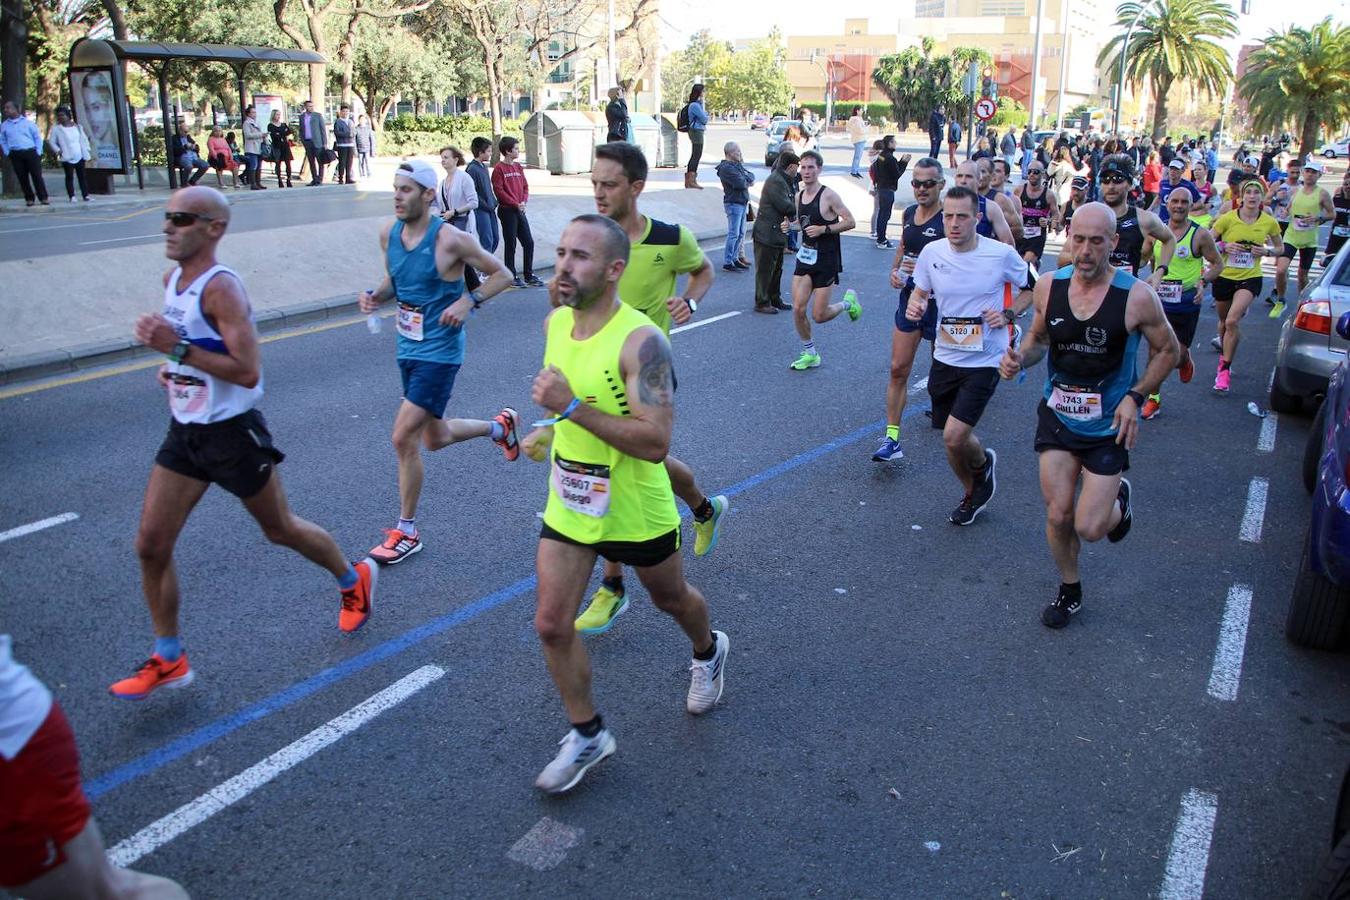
(900, 371)
(553, 627)
(154, 544)
(1091, 532)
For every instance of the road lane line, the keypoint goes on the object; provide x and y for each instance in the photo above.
(37, 526)
(1255, 514)
(1270, 382)
(701, 322)
(134, 237)
(1266, 442)
(920, 384)
(1226, 674)
(1184, 877)
(545, 845)
(224, 795)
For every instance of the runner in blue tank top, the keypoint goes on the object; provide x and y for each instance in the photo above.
(425, 262)
(1089, 319)
(993, 223)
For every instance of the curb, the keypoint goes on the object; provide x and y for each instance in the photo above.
(30, 367)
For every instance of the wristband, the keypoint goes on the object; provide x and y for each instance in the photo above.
(554, 420)
(1137, 397)
(477, 298)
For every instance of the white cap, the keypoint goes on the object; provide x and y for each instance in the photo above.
(1176, 164)
(1314, 164)
(419, 171)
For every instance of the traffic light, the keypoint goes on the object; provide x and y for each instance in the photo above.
(990, 85)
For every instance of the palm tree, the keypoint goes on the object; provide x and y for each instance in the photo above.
(916, 81)
(1173, 41)
(1302, 75)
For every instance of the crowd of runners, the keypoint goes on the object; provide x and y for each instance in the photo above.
(967, 267)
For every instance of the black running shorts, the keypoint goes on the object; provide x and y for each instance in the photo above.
(821, 276)
(236, 454)
(638, 554)
(960, 392)
(1099, 455)
(1306, 255)
(1226, 289)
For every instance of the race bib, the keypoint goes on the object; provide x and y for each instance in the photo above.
(963, 334)
(1302, 225)
(188, 394)
(410, 322)
(1341, 231)
(807, 255)
(1241, 259)
(1031, 231)
(582, 488)
(1170, 292)
(1078, 404)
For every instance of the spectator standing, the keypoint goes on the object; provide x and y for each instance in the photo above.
(982, 150)
(456, 198)
(71, 146)
(21, 143)
(1138, 153)
(1167, 153)
(186, 157)
(1094, 161)
(937, 124)
(253, 139)
(1151, 180)
(485, 213)
(953, 140)
(344, 143)
(616, 116)
(513, 192)
(698, 127)
(365, 145)
(889, 170)
(777, 207)
(1007, 148)
(1063, 170)
(221, 157)
(1212, 161)
(314, 136)
(736, 180)
(280, 134)
(857, 136)
(1028, 149)
(810, 129)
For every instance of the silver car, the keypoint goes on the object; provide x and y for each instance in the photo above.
(773, 136)
(1310, 348)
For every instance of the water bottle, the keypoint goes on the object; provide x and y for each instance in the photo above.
(373, 320)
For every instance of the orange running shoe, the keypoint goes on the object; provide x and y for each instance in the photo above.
(156, 672)
(1151, 407)
(510, 442)
(1186, 370)
(397, 547)
(358, 601)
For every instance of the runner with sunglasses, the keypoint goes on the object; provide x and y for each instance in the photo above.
(1242, 236)
(1133, 224)
(216, 436)
(1040, 213)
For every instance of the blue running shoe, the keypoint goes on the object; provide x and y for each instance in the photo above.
(888, 451)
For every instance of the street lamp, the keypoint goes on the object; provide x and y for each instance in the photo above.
(1120, 78)
(829, 89)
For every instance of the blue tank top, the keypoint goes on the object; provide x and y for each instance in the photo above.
(1091, 363)
(422, 295)
(985, 227)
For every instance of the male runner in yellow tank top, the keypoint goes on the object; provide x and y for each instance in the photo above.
(609, 383)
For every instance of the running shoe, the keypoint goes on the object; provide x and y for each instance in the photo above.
(397, 547)
(1277, 310)
(1222, 381)
(578, 754)
(885, 245)
(706, 532)
(1151, 407)
(517, 282)
(359, 601)
(705, 682)
(604, 609)
(1117, 534)
(964, 513)
(889, 451)
(510, 441)
(985, 484)
(156, 672)
(852, 306)
(806, 361)
(1186, 371)
(1271, 299)
(1057, 614)
(534, 281)
(1216, 343)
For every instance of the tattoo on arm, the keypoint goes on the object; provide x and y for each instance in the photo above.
(656, 386)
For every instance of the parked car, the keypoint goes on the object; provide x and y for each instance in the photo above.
(1333, 875)
(758, 121)
(773, 136)
(1309, 348)
(1336, 149)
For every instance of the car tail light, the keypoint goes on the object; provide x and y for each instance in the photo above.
(1314, 316)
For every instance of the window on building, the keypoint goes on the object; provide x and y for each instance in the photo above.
(930, 9)
(1003, 8)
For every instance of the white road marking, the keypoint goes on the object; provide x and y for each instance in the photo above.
(920, 384)
(545, 845)
(222, 796)
(37, 526)
(1270, 383)
(1184, 877)
(1255, 514)
(701, 322)
(1266, 442)
(1226, 675)
(137, 237)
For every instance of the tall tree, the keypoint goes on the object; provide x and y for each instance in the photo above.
(1300, 75)
(1174, 41)
(916, 81)
(59, 23)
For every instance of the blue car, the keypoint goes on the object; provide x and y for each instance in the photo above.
(1320, 605)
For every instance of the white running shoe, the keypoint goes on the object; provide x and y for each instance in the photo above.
(705, 684)
(578, 754)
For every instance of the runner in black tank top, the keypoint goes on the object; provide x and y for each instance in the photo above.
(821, 218)
(1036, 216)
(1130, 245)
(1133, 224)
(828, 260)
(1340, 228)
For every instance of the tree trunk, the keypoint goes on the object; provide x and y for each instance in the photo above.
(347, 52)
(1161, 85)
(1307, 137)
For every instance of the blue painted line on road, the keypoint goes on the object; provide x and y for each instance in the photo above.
(195, 740)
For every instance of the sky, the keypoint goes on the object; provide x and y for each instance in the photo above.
(754, 18)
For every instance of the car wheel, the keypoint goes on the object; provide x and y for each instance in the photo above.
(1329, 154)
(1282, 402)
(1332, 881)
(1312, 451)
(1317, 608)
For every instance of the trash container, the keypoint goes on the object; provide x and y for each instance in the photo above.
(669, 155)
(647, 135)
(568, 141)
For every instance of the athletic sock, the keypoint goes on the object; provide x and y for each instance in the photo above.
(589, 729)
(704, 511)
(496, 430)
(710, 652)
(1223, 363)
(408, 527)
(168, 648)
(347, 580)
(615, 585)
(893, 432)
(1071, 591)
(1156, 398)
(809, 347)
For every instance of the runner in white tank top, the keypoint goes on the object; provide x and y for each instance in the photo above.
(216, 436)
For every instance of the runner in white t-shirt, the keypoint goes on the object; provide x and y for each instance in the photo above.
(971, 280)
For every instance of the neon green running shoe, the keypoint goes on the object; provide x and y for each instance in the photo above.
(852, 306)
(1277, 310)
(604, 609)
(705, 533)
(806, 361)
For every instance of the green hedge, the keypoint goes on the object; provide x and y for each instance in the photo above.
(875, 112)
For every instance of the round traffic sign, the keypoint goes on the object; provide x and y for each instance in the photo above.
(985, 109)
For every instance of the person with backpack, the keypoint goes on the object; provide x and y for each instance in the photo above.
(693, 120)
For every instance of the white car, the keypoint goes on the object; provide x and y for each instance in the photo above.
(1336, 149)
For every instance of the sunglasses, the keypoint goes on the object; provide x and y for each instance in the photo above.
(184, 219)
(925, 183)
(1114, 179)
(1035, 171)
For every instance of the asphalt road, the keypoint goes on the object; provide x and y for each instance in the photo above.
(896, 722)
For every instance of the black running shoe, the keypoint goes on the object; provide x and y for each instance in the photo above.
(1057, 614)
(964, 513)
(985, 484)
(1123, 526)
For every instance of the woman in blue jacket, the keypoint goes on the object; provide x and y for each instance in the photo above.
(698, 125)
